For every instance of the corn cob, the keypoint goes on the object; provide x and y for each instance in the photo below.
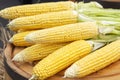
(95, 61)
(18, 39)
(34, 9)
(37, 52)
(22, 30)
(44, 20)
(61, 59)
(64, 33)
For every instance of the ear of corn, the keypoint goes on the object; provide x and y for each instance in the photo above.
(95, 61)
(18, 39)
(44, 20)
(34, 9)
(23, 30)
(61, 59)
(64, 33)
(37, 52)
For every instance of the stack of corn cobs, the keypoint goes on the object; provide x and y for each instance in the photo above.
(79, 37)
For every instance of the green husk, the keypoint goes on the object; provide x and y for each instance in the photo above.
(92, 4)
(106, 18)
(96, 12)
(117, 27)
(106, 38)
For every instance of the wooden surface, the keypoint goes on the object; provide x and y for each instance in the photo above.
(111, 72)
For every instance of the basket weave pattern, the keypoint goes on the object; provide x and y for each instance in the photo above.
(5, 34)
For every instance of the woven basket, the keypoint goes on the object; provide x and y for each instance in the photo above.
(5, 34)
(2, 71)
(3, 42)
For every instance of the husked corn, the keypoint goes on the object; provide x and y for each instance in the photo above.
(46, 20)
(34, 9)
(60, 59)
(18, 39)
(37, 52)
(22, 30)
(95, 61)
(65, 33)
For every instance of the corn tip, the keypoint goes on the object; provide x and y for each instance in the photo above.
(2, 13)
(12, 60)
(71, 71)
(34, 77)
(18, 58)
(5, 14)
(9, 26)
(11, 40)
(28, 38)
(10, 23)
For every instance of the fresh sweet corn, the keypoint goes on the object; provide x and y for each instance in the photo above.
(95, 61)
(64, 33)
(34, 9)
(36, 52)
(23, 30)
(61, 59)
(18, 39)
(46, 20)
